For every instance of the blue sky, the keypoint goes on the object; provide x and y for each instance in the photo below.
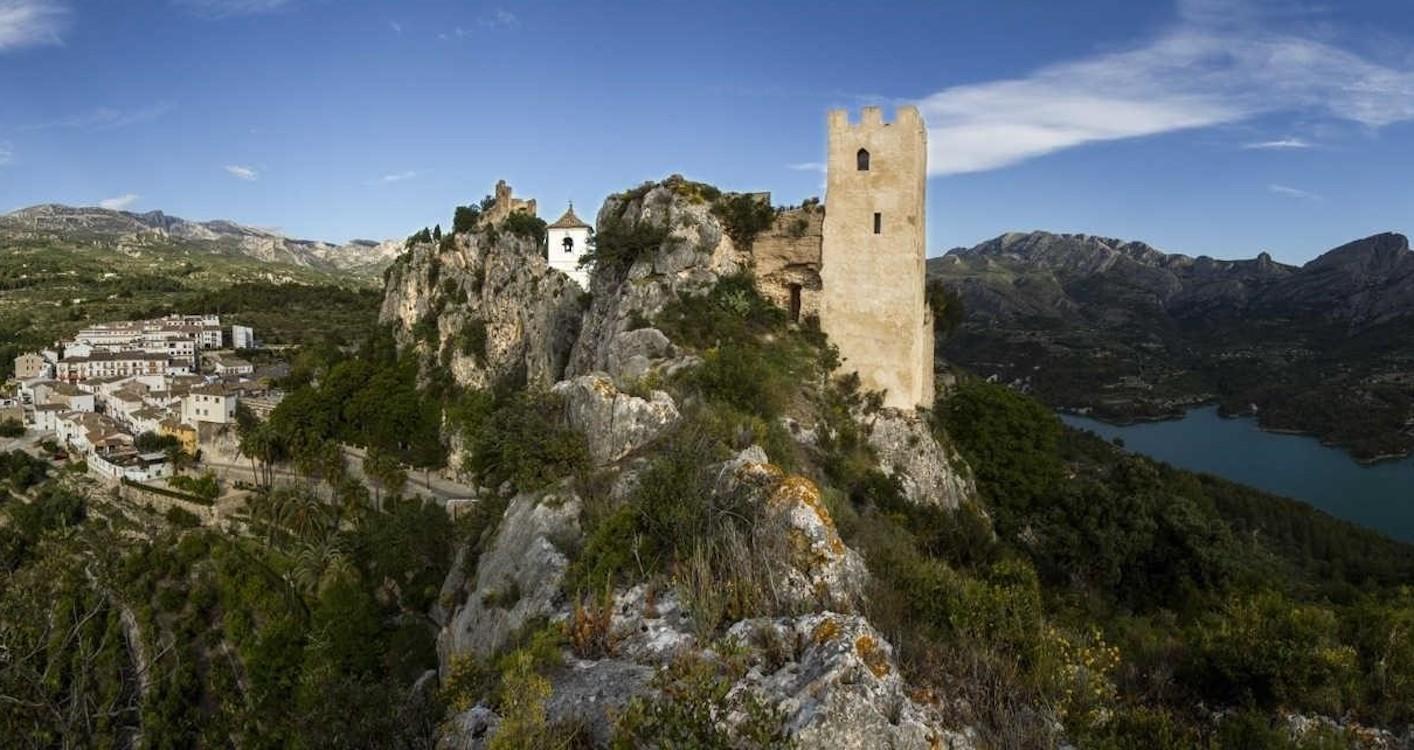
(1220, 127)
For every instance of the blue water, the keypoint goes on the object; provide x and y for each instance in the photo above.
(1380, 497)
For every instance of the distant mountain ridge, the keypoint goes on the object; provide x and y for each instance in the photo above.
(1126, 331)
(125, 228)
(1364, 283)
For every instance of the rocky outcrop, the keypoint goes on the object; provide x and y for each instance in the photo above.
(518, 578)
(642, 353)
(486, 306)
(840, 687)
(815, 567)
(615, 423)
(929, 472)
(692, 255)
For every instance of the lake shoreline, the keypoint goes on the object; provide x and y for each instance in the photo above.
(1374, 494)
(1088, 413)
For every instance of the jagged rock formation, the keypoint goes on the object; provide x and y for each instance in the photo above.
(694, 253)
(621, 423)
(486, 306)
(518, 577)
(125, 230)
(841, 688)
(612, 371)
(928, 471)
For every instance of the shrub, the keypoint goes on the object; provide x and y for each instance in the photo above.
(1266, 651)
(618, 243)
(523, 440)
(743, 217)
(946, 305)
(522, 224)
(691, 709)
(473, 340)
(12, 428)
(464, 218)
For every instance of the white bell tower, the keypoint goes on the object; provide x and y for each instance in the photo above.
(568, 241)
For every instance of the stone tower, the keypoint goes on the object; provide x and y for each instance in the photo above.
(873, 252)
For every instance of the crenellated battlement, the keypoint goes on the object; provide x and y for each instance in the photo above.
(873, 118)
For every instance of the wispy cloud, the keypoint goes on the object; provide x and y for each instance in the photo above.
(245, 173)
(104, 118)
(388, 179)
(228, 8)
(396, 27)
(1292, 192)
(119, 203)
(7, 153)
(500, 19)
(1220, 63)
(27, 23)
(807, 166)
(1283, 144)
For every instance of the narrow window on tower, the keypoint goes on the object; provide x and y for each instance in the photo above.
(861, 160)
(878, 223)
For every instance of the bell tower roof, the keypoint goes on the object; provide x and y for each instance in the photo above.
(569, 221)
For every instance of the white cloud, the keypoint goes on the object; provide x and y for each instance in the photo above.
(119, 203)
(807, 166)
(227, 8)
(1283, 144)
(1292, 192)
(501, 19)
(398, 176)
(396, 27)
(27, 23)
(1218, 64)
(245, 173)
(7, 154)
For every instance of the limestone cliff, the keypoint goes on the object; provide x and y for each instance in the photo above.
(691, 253)
(486, 306)
(620, 382)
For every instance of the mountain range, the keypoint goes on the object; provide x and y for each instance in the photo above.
(1124, 331)
(128, 231)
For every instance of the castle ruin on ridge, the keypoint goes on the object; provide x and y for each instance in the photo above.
(858, 264)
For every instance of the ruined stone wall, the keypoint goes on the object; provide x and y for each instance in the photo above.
(873, 253)
(787, 257)
(505, 205)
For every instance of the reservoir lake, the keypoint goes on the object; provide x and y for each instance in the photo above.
(1379, 496)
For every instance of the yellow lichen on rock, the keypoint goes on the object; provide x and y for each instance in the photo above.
(826, 631)
(873, 656)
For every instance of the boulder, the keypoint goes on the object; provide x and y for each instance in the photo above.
(632, 353)
(615, 423)
(823, 570)
(518, 578)
(591, 694)
(929, 472)
(469, 730)
(837, 685)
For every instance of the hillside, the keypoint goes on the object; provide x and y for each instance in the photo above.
(1125, 332)
(63, 267)
(681, 528)
(154, 232)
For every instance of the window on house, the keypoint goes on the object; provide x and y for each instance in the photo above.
(861, 160)
(569, 244)
(878, 223)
